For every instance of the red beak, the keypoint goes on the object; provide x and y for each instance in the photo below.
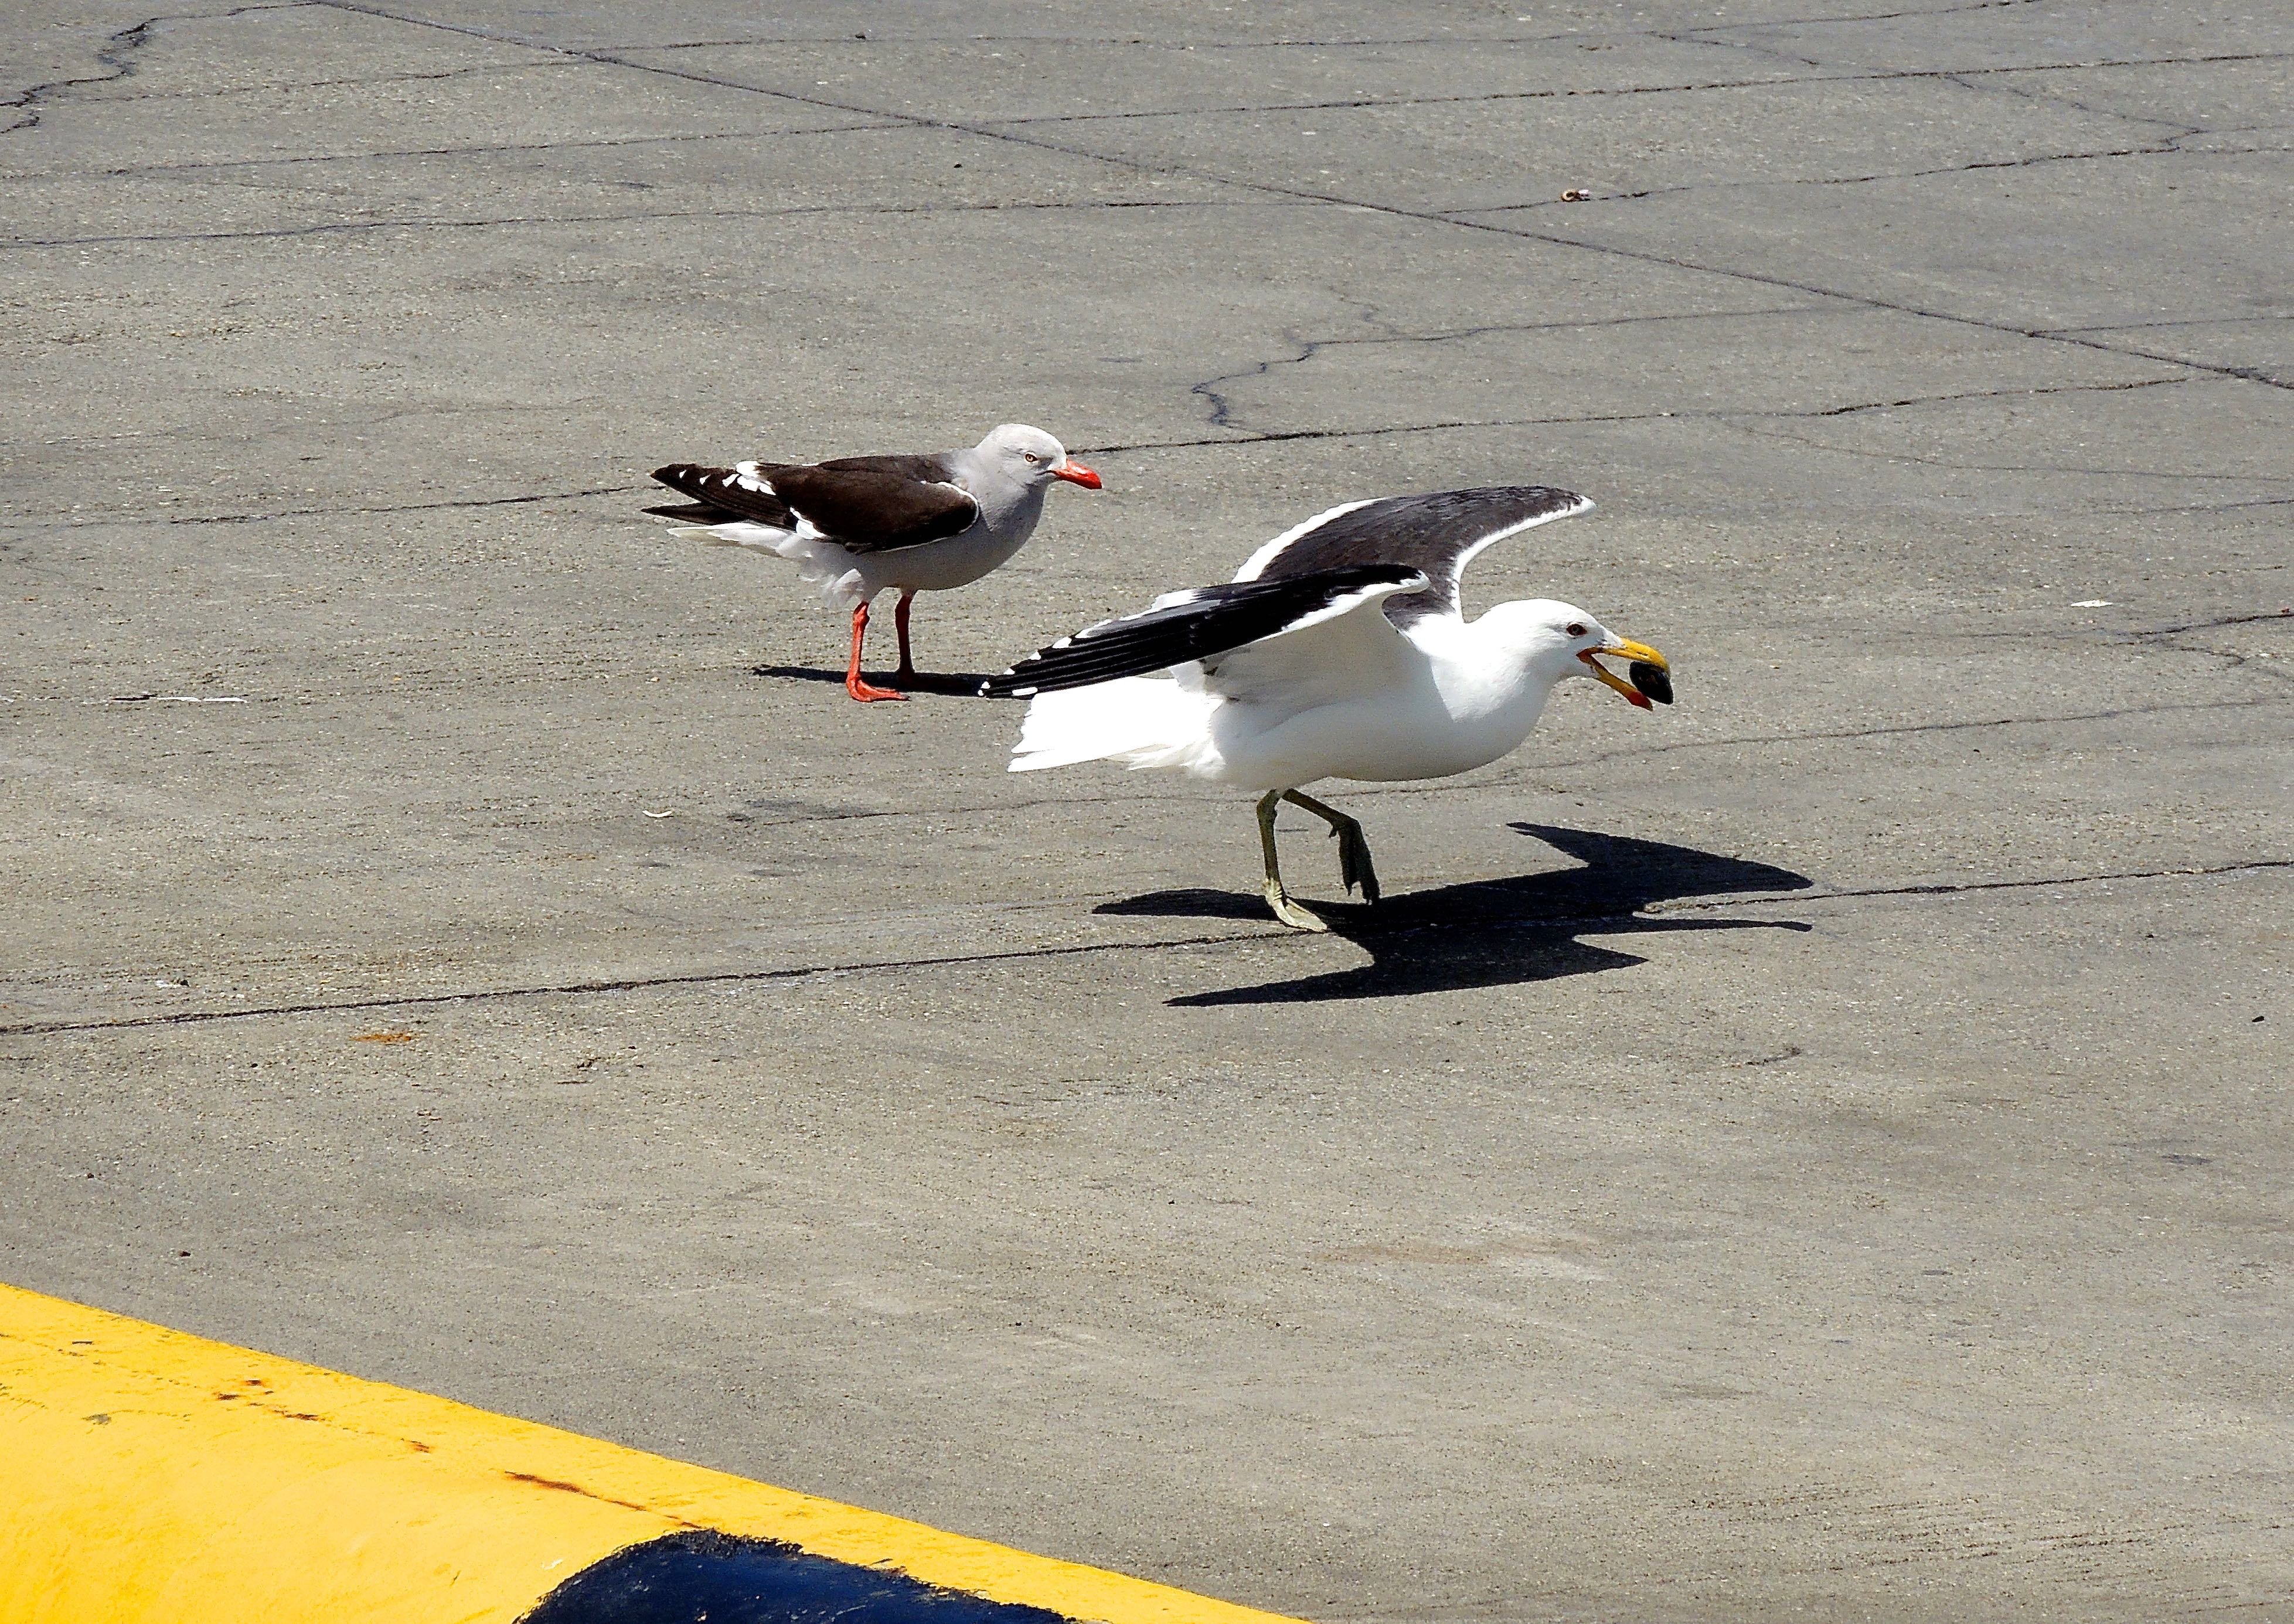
(1075, 471)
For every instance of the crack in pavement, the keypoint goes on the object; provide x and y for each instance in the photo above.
(1175, 793)
(1530, 770)
(1269, 933)
(2248, 665)
(2005, 468)
(1730, 414)
(2246, 374)
(471, 152)
(247, 438)
(2167, 150)
(2229, 620)
(1431, 216)
(2252, 665)
(422, 223)
(305, 513)
(1221, 407)
(1188, 45)
(1963, 888)
(1446, 38)
(625, 985)
(1849, 76)
(2041, 97)
(2115, 326)
(1901, 12)
(117, 54)
(2245, 664)
(285, 84)
(2161, 637)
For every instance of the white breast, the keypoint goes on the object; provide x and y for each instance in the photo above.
(1450, 714)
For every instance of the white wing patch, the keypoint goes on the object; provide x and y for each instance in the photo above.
(1347, 604)
(1346, 648)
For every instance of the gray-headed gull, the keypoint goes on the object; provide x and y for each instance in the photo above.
(857, 527)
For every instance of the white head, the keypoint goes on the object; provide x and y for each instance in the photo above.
(1029, 457)
(1556, 641)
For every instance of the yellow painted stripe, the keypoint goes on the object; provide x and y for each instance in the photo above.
(146, 1475)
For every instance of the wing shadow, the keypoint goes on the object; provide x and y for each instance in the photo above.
(962, 685)
(1498, 932)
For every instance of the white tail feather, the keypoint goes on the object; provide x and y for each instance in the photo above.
(1140, 721)
(820, 563)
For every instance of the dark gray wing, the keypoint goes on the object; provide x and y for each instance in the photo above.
(1199, 624)
(1438, 534)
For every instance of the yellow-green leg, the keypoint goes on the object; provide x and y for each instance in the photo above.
(1353, 851)
(1289, 911)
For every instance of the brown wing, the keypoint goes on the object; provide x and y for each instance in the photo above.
(722, 495)
(875, 503)
(924, 470)
(863, 504)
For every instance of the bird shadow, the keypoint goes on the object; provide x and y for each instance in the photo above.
(1497, 932)
(963, 684)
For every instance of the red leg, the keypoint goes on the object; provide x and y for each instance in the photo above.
(853, 683)
(907, 671)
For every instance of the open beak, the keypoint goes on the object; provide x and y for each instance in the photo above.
(1076, 472)
(1652, 672)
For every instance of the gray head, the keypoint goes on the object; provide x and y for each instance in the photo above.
(1557, 641)
(1029, 457)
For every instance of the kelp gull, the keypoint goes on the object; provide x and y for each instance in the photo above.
(1338, 651)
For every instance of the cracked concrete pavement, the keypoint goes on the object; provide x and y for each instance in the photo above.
(1822, 1151)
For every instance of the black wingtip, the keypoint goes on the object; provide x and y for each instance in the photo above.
(685, 478)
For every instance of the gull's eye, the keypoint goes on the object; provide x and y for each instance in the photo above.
(1575, 629)
(1031, 456)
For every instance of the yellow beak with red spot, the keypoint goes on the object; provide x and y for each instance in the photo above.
(1652, 672)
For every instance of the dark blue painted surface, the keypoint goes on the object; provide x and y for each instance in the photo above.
(708, 1577)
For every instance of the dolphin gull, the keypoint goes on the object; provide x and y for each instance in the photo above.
(858, 526)
(1338, 651)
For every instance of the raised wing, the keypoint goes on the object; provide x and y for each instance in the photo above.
(1224, 628)
(1438, 534)
(863, 504)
